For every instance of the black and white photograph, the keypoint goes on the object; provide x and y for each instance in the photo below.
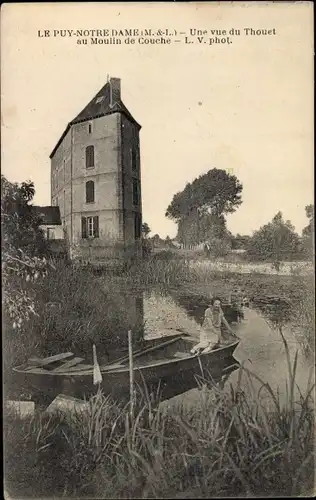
(157, 221)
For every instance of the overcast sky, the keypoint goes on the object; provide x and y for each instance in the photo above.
(247, 106)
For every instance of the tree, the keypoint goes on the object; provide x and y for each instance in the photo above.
(275, 241)
(20, 225)
(240, 241)
(205, 228)
(168, 242)
(23, 245)
(145, 229)
(215, 192)
(308, 233)
(200, 208)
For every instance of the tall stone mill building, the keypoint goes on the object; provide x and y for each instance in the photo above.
(95, 177)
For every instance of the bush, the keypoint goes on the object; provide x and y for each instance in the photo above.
(146, 249)
(218, 248)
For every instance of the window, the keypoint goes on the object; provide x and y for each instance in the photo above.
(134, 159)
(90, 192)
(50, 233)
(90, 128)
(56, 201)
(100, 99)
(137, 226)
(90, 227)
(136, 192)
(89, 156)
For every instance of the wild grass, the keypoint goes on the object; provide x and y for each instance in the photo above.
(161, 269)
(231, 444)
(74, 309)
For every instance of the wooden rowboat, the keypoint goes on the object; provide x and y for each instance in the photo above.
(166, 363)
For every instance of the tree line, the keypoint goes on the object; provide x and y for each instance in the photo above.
(200, 211)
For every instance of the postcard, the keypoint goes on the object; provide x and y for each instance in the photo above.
(157, 216)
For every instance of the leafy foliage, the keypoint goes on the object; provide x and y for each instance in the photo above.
(308, 232)
(275, 241)
(240, 241)
(145, 229)
(215, 192)
(20, 225)
(193, 230)
(23, 246)
(200, 208)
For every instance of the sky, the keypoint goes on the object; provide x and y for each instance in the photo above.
(245, 106)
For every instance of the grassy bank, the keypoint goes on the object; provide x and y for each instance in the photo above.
(230, 444)
(227, 445)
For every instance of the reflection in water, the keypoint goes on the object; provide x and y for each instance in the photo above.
(261, 348)
(195, 306)
(163, 316)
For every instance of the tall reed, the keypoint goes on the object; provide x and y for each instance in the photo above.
(230, 443)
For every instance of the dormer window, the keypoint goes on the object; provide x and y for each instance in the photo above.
(100, 99)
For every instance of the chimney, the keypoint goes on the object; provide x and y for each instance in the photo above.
(115, 90)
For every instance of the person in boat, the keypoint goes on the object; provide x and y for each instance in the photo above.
(211, 332)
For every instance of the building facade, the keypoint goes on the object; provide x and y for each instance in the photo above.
(96, 177)
(50, 221)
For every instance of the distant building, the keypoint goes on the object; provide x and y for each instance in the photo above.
(50, 221)
(95, 176)
(54, 232)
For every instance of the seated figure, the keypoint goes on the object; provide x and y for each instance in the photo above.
(211, 332)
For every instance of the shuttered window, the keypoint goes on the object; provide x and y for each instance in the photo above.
(134, 159)
(89, 156)
(136, 193)
(90, 227)
(89, 192)
(137, 225)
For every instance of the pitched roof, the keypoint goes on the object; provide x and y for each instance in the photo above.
(99, 106)
(49, 215)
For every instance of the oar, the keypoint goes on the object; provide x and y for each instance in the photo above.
(144, 351)
(140, 352)
(113, 365)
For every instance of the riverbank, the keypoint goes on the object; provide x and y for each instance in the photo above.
(74, 308)
(228, 444)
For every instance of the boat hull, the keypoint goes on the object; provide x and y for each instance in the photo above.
(168, 378)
